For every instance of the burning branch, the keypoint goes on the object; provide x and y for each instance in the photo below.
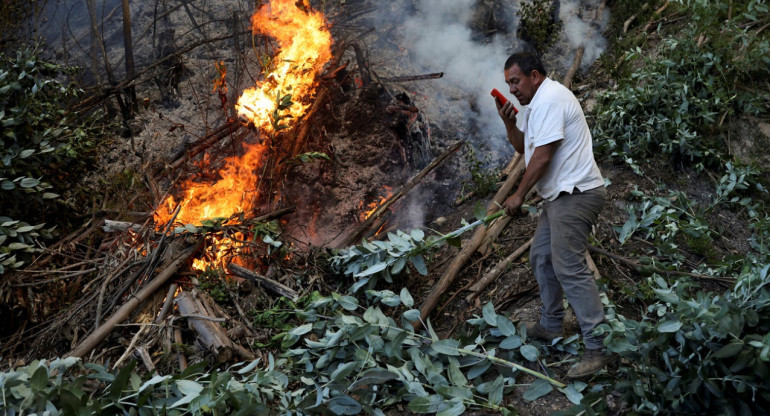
(367, 225)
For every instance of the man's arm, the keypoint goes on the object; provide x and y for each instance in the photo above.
(536, 169)
(508, 113)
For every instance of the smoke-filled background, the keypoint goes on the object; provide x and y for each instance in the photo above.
(452, 36)
(469, 41)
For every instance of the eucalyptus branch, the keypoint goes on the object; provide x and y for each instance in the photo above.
(514, 366)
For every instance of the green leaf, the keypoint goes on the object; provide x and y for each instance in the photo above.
(398, 265)
(427, 404)
(505, 326)
(412, 315)
(446, 347)
(419, 264)
(372, 269)
(406, 298)
(29, 183)
(512, 342)
(669, 326)
(374, 376)
(456, 376)
(572, 393)
(529, 352)
(39, 378)
(488, 311)
(344, 405)
(344, 370)
(301, 330)
(729, 350)
(537, 390)
(455, 407)
(348, 302)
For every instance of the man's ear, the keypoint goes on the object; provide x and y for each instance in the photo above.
(536, 76)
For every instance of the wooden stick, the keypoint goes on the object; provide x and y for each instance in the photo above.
(266, 283)
(355, 235)
(467, 251)
(210, 334)
(145, 357)
(635, 264)
(652, 18)
(124, 311)
(592, 266)
(567, 82)
(407, 78)
(496, 271)
(178, 341)
(497, 226)
(167, 303)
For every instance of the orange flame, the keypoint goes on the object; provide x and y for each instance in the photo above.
(305, 46)
(387, 192)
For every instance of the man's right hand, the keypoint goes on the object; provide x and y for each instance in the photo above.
(507, 112)
(513, 205)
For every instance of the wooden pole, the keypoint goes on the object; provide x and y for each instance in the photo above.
(466, 252)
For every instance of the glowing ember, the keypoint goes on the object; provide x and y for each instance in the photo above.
(219, 252)
(305, 46)
(370, 208)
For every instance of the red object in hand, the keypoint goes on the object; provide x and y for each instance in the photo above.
(500, 97)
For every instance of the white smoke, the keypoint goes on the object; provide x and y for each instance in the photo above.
(580, 31)
(439, 38)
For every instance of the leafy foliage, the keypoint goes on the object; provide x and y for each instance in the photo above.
(40, 143)
(336, 362)
(389, 257)
(675, 102)
(697, 354)
(482, 180)
(538, 23)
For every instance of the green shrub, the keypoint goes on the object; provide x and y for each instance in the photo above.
(698, 354)
(537, 23)
(41, 144)
(675, 102)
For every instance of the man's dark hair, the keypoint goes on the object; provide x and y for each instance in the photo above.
(527, 62)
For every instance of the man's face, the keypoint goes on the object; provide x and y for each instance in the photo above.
(522, 86)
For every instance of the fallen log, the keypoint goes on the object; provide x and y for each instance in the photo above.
(133, 302)
(465, 253)
(211, 336)
(266, 283)
(356, 234)
(496, 271)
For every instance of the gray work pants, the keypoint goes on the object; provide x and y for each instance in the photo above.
(558, 258)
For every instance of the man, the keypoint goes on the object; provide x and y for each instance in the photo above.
(557, 148)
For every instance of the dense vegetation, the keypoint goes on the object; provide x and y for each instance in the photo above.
(43, 149)
(690, 350)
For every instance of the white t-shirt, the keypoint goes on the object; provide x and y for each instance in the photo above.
(554, 114)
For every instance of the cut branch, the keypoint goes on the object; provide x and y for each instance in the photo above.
(133, 302)
(407, 78)
(496, 271)
(467, 251)
(266, 283)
